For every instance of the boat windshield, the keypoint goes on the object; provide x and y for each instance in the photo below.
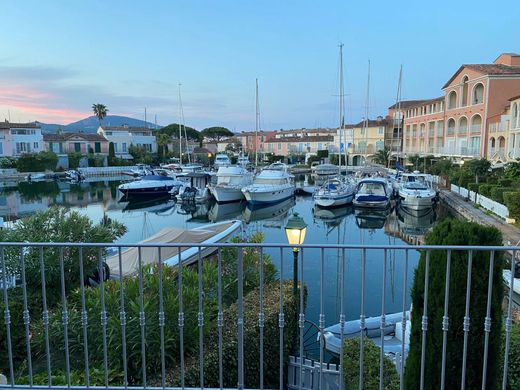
(415, 185)
(270, 181)
(372, 188)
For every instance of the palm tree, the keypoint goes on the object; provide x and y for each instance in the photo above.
(382, 157)
(100, 111)
(163, 140)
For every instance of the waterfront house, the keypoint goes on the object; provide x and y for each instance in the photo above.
(19, 138)
(363, 140)
(513, 133)
(83, 143)
(124, 136)
(458, 123)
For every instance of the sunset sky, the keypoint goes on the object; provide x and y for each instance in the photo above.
(59, 57)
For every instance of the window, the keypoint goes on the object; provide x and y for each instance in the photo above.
(478, 94)
(124, 147)
(279, 146)
(35, 145)
(77, 147)
(97, 147)
(452, 100)
(1, 148)
(108, 133)
(465, 91)
(23, 147)
(23, 131)
(381, 131)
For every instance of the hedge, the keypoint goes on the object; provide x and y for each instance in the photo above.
(497, 193)
(371, 359)
(485, 189)
(251, 343)
(473, 187)
(513, 372)
(505, 182)
(512, 201)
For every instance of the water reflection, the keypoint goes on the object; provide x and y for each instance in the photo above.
(277, 211)
(416, 223)
(158, 206)
(371, 219)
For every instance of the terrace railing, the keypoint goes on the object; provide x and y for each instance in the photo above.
(131, 316)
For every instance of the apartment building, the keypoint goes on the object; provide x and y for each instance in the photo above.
(504, 139)
(362, 140)
(19, 138)
(124, 136)
(458, 123)
(75, 143)
(287, 145)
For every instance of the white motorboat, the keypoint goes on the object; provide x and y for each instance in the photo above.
(191, 168)
(195, 188)
(74, 175)
(272, 185)
(506, 276)
(326, 169)
(335, 192)
(139, 170)
(35, 176)
(151, 186)
(243, 161)
(230, 181)
(373, 193)
(392, 335)
(221, 160)
(416, 191)
(207, 234)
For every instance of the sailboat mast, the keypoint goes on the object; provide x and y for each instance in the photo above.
(183, 124)
(257, 125)
(180, 128)
(341, 132)
(366, 112)
(398, 101)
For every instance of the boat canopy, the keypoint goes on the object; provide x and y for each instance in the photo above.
(157, 177)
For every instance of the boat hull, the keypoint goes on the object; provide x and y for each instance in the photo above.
(333, 201)
(147, 192)
(416, 202)
(372, 202)
(227, 194)
(273, 195)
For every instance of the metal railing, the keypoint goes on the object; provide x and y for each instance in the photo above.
(134, 313)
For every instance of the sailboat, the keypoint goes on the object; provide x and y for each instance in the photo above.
(340, 190)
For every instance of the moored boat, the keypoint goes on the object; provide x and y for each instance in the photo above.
(195, 189)
(272, 185)
(151, 186)
(221, 160)
(373, 193)
(416, 191)
(326, 169)
(335, 192)
(230, 181)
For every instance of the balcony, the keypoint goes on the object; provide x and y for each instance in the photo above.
(476, 128)
(225, 322)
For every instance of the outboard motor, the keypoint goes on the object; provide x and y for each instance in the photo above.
(188, 195)
(517, 269)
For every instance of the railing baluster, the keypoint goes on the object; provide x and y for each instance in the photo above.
(122, 317)
(142, 319)
(341, 316)
(382, 326)
(200, 322)
(261, 319)
(220, 320)
(181, 320)
(161, 319)
(84, 317)
(45, 318)
(403, 319)
(281, 323)
(65, 318)
(301, 321)
(445, 320)
(362, 320)
(509, 321)
(466, 322)
(103, 313)
(424, 320)
(487, 321)
(322, 315)
(240, 320)
(7, 318)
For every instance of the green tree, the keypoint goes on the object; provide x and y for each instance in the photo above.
(442, 167)
(163, 140)
(456, 232)
(216, 134)
(512, 169)
(235, 147)
(382, 157)
(172, 130)
(111, 153)
(415, 160)
(100, 111)
(478, 167)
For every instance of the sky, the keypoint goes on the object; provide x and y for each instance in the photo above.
(59, 57)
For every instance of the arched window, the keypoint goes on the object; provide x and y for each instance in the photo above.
(478, 94)
(465, 91)
(476, 124)
(451, 127)
(516, 117)
(463, 125)
(452, 100)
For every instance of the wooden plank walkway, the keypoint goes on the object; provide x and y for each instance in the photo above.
(466, 209)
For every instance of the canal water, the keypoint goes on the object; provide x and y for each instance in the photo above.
(343, 225)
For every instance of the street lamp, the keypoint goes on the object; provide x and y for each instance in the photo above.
(295, 231)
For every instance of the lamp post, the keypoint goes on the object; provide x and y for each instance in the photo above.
(295, 231)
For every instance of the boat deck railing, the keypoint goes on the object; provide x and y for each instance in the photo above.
(50, 341)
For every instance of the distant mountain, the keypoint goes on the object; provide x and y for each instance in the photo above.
(90, 124)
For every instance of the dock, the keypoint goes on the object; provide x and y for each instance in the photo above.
(466, 209)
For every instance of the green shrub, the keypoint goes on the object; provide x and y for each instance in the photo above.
(37, 162)
(505, 182)
(512, 201)
(77, 377)
(473, 187)
(485, 189)
(456, 232)
(492, 180)
(7, 162)
(513, 372)
(497, 193)
(371, 359)
(322, 153)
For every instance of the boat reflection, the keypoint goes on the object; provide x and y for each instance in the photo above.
(152, 206)
(276, 211)
(225, 211)
(197, 212)
(332, 215)
(415, 223)
(371, 219)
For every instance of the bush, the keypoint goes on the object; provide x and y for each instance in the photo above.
(473, 187)
(512, 201)
(312, 159)
(497, 193)
(74, 159)
(485, 189)
(322, 153)
(513, 372)
(456, 232)
(7, 162)
(505, 182)
(371, 359)
(37, 162)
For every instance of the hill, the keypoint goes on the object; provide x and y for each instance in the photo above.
(90, 124)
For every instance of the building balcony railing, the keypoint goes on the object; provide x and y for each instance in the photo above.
(164, 317)
(460, 151)
(463, 130)
(451, 131)
(476, 128)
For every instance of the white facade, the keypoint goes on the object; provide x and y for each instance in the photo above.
(19, 138)
(124, 136)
